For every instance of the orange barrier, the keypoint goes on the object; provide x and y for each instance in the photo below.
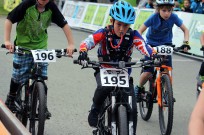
(3, 130)
(10, 122)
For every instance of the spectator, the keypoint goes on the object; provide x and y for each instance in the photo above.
(113, 1)
(193, 4)
(186, 6)
(198, 7)
(177, 6)
(94, 1)
(149, 4)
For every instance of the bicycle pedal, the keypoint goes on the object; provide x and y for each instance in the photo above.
(95, 131)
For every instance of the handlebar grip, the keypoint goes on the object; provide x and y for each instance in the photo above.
(76, 61)
(3, 46)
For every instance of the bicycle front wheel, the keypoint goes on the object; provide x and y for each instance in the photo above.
(167, 107)
(146, 106)
(37, 120)
(122, 120)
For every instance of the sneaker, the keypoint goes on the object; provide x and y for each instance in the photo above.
(139, 93)
(10, 103)
(47, 113)
(93, 116)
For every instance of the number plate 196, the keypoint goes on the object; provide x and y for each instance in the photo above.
(44, 55)
(114, 77)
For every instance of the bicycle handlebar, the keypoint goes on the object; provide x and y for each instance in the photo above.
(21, 50)
(121, 64)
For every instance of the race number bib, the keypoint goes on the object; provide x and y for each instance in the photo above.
(164, 50)
(114, 77)
(44, 55)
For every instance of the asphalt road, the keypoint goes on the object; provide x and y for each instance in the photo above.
(71, 89)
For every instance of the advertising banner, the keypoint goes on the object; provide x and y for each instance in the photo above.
(73, 12)
(99, 19)
(93, 16)
(141, 17)
(11, 4)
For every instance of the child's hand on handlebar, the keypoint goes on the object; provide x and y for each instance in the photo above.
(83, 58)
(70, 50)
(9, 46)
(185, 47)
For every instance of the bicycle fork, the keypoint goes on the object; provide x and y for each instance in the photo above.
(158, 82)
(131, 117)
(113, 122)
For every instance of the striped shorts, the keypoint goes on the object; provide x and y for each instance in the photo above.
(22, 66)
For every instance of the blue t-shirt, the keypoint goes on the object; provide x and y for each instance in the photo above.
(160, 30)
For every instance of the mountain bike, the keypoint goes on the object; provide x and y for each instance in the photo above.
(199, 86)
(116, 117)
(31, 98)
(158, 89)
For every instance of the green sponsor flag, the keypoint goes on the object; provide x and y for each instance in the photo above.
(100, 15)
(89, 13)
(141, 18)
(11, 4)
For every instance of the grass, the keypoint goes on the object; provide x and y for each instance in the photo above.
(2, 11)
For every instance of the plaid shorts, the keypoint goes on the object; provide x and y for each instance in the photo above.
(22, 66)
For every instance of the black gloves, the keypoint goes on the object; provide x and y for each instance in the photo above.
(83, 58)
(185, 46)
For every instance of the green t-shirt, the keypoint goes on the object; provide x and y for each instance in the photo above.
(31, 29)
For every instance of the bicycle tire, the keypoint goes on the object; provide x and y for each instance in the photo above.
(122, 120)
(22, 100)
(167, 103)
(37, 121)
(146, 107)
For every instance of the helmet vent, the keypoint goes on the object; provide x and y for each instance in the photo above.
(118, 16)
(117, 10)
(123, 11)
(129, 11)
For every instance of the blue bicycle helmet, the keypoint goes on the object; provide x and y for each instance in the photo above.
(123, 12)
(165, 2)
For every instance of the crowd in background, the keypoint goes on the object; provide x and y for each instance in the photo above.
(191, 6)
